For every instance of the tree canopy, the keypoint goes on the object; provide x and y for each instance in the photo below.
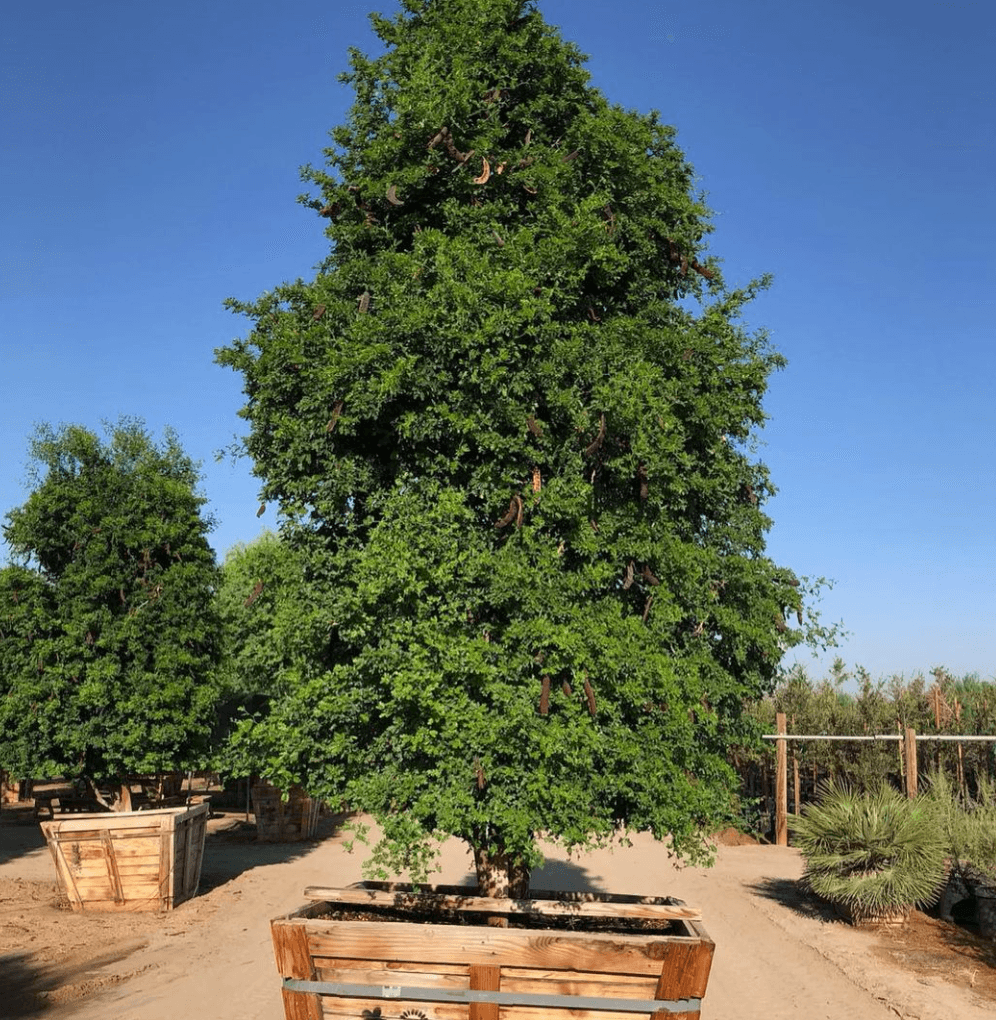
(273, 641)
(511, 420)
(108, 634)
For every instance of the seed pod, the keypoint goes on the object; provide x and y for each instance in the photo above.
(537, 480)
(703, 270)
(261, 510)
(510, 516)
(628, 583)
(336, 411)
(480, 774)
(798, 616)
(544, 705)
(590, 695)
(255, 594)
(363, 304)
(485, 173)
(518, 514)
(597, 441)
(318, 313)
(392, 195)
(646, 608)
(567, 689)
(533, 427)
(571, 156)
(648, 576)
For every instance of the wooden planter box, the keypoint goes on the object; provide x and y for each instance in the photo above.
(420, 970)
(129, 860)
(279, 820)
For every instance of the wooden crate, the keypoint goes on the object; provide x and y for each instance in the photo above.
(129, 860)
(279, 820)
(416, 970)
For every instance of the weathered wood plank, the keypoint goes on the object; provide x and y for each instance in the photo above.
(292, 949)
(389, 940)
(393, 1009)
(483, 904)
(484, 978)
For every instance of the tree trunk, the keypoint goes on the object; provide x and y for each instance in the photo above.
(499, 877)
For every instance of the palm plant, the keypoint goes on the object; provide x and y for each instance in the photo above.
(875, 854)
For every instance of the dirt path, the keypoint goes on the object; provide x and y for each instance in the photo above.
(776, 955)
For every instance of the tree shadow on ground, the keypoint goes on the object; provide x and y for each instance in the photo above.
(20, 833)
(563, 876)
(23, 988)
(233, 847)
(790, 893)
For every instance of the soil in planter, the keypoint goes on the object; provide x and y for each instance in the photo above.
(540, 922)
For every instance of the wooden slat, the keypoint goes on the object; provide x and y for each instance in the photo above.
(484, 978)
(390, 940)
(392, 1009)
(301, 1006)
(292, 949)
(484, 904)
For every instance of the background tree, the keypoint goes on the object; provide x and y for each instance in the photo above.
(108, 635)
(511, 422)
(272, 642)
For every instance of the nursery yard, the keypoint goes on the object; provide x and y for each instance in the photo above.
(777, 956)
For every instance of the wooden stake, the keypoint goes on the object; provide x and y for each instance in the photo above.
(796, 783)
(781, 784)
(909, 752)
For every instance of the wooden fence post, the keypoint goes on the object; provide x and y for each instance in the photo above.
(781, 784)
(909, 752)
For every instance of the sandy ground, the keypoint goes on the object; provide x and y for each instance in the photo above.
(777, 955)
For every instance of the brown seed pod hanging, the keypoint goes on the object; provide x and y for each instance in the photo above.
(529, 136)
(590, 696)
(438, 137)
(537, 479)
(646, 607)
(628, 582)
(571, 156)
(318, 313)
(598, 440)
(702, 270)
(641, 476)
(261, 510)
(392, 195)
(534, 427)
(518, 511)
(509, 516)
(331, 210)
(567, 689)
(336, 411)
(544, 705)
(257, 590)
(480, 774)
(648, 576)
(363, 303)
(485, 173)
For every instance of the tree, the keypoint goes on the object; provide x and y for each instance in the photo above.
(511, 421)
(272, 642)
(108, 635)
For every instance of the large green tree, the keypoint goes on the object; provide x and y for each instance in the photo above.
(108, 632)
(511, 420)
(273, 641)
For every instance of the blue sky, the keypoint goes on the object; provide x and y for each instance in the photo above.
(149, 170)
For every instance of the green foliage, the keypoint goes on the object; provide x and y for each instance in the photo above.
(108, 635)
(272, 640)
(968, 823)
(509, 424)
(871, 851)
(846, 703)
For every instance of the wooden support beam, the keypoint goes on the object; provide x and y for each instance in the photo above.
(781, 783)
(909, 752)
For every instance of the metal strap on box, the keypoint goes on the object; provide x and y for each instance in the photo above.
(419, 994)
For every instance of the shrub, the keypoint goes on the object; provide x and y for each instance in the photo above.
(874, 853)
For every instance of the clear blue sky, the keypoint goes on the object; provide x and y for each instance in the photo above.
(148, 167)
